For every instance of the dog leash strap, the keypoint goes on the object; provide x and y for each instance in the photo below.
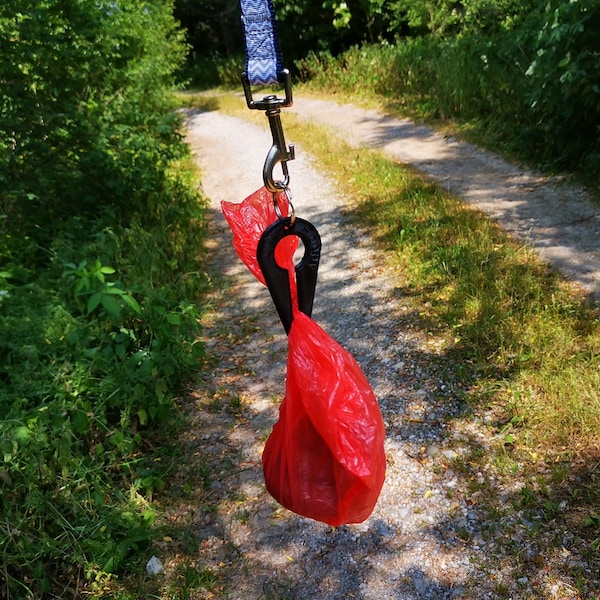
(263, 54)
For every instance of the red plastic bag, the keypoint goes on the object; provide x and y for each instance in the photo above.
(325, 458)
(249, 219)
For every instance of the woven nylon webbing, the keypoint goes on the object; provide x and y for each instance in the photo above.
(263, 55)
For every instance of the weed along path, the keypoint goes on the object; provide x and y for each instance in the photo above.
(441, 530)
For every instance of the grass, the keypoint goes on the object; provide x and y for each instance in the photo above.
(87, 388)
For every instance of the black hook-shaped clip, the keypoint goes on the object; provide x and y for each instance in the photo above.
(277, 277)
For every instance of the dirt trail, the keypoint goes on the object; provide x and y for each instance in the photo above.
(438, 532)
(557, 219)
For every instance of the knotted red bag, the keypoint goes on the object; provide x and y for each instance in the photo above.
(325, 457)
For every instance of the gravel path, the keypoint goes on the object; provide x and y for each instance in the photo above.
(436, 533)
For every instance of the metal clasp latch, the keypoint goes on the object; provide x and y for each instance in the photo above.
(279, 152)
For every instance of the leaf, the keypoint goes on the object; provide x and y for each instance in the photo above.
(79, 421)
(142, 416)
(149, 516)
(133, 303)
(110, 305)
(115, 291)
(107, 270)
(174, 319)
(82, 284)
(117, 439)
(94, 301)
(565, 61)
(22, 434)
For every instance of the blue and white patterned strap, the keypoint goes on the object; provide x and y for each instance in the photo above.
(263, 54)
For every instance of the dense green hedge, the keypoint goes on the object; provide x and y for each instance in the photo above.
(100, 239)
(532, 86)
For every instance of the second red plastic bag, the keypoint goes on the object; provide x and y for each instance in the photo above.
(248, 220)
(325, 458)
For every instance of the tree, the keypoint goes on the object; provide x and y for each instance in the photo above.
(212, 26)
(449, 17)
(80, 79)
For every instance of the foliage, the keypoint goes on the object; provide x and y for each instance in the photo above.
(100, 234)
(564, 86)
(317, 25)
(89, 139)
(211, 26)
(448, 17)
(489, 85)
(214, 32)
(84, 381)
(335, 25)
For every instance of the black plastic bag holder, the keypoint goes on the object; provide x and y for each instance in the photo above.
(277, 277)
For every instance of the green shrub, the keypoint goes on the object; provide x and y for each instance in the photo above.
(101, 231)
(564, 89)
(84, 104)
(530, 89)
(91, 358)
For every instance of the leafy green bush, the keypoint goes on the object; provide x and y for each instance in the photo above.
(564, 89)
(92, 354)
(101, 230)
(84, 104)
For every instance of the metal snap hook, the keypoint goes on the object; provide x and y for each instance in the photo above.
(279, 152)
(273, 158)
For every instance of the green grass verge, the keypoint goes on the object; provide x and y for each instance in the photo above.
(532, 340)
